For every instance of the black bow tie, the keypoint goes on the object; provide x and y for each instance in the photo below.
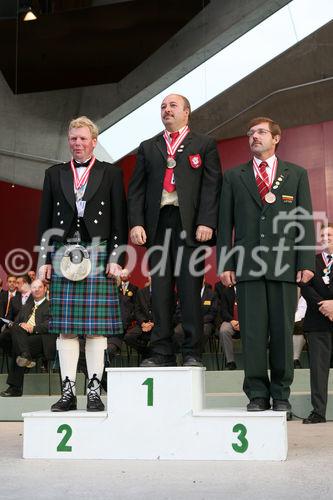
(84, 164)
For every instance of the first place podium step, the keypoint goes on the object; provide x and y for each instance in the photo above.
(156, 413)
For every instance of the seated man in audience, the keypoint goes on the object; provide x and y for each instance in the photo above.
(22, 297)
(229, 329)
(30, 339)
(138, 336)
(209, 306)
(298, 337)
(127, 293)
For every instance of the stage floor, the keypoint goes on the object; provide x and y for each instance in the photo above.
(307, 473)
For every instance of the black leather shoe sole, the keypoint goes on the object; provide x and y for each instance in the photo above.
(258, 404)
(155, 362)
(192, 362)
(60, 407)
(10, 394)
(281, 405)
(314, 419)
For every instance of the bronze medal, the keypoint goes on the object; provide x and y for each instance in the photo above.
(270, 197)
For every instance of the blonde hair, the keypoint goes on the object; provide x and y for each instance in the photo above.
(84, 121)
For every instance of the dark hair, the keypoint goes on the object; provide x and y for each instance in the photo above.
(274, 127)
(26, 278)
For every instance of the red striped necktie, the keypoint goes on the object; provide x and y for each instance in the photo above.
(263, 181)
(168, 185)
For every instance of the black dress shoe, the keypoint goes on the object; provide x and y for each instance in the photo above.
(281, 405)
(231, 366)
(159, 360)
(94, 402)
(67, 401)
(258, 404)
(297, 363)
(314, 418)
(192, 361)
(11, 392)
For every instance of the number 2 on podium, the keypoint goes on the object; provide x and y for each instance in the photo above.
(149, 382)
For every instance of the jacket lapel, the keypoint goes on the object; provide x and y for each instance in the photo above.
(67, 184)
(247, 177)
(161, 146)
(94, 181)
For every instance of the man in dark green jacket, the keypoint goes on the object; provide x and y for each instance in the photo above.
(266, 245)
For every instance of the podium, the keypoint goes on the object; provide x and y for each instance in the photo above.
(156, 413)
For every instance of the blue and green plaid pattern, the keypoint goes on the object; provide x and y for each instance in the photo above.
(87, 307)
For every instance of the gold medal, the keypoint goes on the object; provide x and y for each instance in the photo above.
(270, 197)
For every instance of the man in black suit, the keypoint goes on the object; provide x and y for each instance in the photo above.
(265, 245)
(318, 327)
(173, 201)
(30, 338)
(139, 335)
(6, 297)
(84, 208)
(22, 297)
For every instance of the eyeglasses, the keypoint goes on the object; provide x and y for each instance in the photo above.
(259, 131)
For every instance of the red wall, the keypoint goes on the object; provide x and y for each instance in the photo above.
(310, 146)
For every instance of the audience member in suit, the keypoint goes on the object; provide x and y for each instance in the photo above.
(127, 293)
(32, 275)
(22, 296)
(229, 328)
(173, 202)
(30, 339)
(6, 297)
(318, 327)
(209, 307)
(139, 335)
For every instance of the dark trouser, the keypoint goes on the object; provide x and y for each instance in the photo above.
(320, 349)
(138, 340)
(163, 289)
(23, 342)
(179, 336)
(266, 312)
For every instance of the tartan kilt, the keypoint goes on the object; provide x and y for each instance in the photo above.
(86, 307)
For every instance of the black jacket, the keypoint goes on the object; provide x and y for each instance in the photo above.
(198, 189)
(105, 213)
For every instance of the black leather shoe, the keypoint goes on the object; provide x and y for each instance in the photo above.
(314, 418)
(258, 404)
(281, 405)
(11, 392)
(94, 402)
(159, 360)
(67, 401)
(297, 363)
(231, 366)
(191, 361)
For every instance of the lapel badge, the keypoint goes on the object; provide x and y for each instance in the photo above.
(286, 198)
(195, 161)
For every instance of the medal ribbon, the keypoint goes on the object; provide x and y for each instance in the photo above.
(258, 174)
(78, 183)
(171, 149)
(328, 263)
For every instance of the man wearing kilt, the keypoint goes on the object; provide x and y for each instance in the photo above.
(83, 215)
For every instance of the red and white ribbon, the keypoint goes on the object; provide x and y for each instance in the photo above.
(328, 263)
(79, 182)
(172, 149)
(271, 177)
